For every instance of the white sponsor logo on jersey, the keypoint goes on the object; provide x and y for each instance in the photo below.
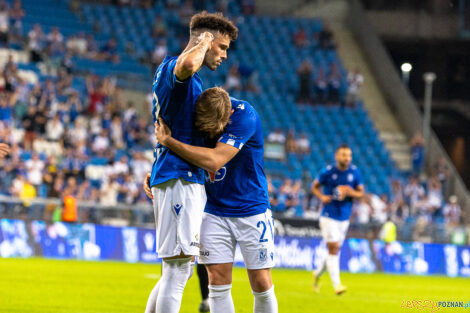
(220, 175)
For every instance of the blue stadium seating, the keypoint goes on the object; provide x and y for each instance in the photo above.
(275, 58)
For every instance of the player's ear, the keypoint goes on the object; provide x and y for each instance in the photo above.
(231, 112)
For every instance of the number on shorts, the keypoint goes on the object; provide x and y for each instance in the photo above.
(271, 229)
(262, 239)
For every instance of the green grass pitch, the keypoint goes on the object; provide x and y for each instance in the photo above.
(53, 286)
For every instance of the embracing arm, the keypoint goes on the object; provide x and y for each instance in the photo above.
(210, 159)
(190, 61)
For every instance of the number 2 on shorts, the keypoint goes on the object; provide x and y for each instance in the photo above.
(262, 239)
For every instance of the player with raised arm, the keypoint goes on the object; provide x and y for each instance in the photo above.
(178, 186)
(341, 184)
(237, 209)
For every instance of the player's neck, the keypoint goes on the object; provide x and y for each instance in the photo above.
(341, 168)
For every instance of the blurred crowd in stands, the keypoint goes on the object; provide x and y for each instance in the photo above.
(90, 144)
(56, 131)
(324, 85)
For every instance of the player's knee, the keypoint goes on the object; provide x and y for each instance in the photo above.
(260, 280)
(217, 279)
(262, 285)
(333, 247)
(219, 275)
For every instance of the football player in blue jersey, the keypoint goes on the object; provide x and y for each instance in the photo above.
(341, 184)
(177, 186)
(237, 209)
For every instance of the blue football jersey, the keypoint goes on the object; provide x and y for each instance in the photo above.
(240, 187)
(330, 178)
(174, 101)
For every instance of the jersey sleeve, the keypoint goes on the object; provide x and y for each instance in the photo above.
(322, 176)
(166, 85)
(240, 130)
(168, 75)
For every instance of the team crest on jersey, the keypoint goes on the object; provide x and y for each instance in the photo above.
(220, 175)
(350, 177)
(263, 254)
(334, 176)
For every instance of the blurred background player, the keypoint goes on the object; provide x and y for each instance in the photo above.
(237, 209)
(341, 184)
(177, 186)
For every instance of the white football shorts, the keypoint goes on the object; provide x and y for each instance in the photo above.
(254, 234)
(178, 206)
(333, 230)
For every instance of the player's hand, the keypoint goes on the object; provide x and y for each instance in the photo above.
(207, 38)
(325, 199)
(162, 132)
(4, 150)
(146, 185)
(343, 191)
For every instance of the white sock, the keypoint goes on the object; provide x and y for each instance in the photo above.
(220, 299)
(332, 263)
(265, 302)
(152, 301)
(321, 269)
(175, 274)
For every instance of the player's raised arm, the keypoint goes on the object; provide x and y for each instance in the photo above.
(210, 159)
(191, 60)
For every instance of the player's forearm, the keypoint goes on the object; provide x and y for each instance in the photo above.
(317, 192)
(202, 157)
(189, 62)
(356, 193)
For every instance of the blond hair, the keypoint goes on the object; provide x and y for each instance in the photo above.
(212, 111)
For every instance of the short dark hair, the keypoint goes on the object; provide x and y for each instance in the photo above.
(215, 22)
(343, 146)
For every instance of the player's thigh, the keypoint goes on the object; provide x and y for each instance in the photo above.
(343, 230)
(217, 240)
(255, 235)
(191, 199)
(260, 279)
(330, 230)
(178, 208)
(220, 274)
